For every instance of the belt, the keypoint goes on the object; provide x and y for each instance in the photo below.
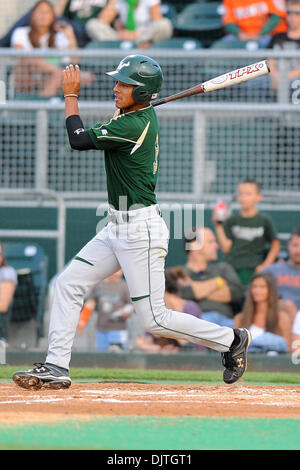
(119, 217)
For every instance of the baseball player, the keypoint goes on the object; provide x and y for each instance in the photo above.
(136, 237)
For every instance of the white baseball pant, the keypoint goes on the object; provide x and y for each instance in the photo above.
(136, 242)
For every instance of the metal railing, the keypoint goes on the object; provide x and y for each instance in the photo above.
(206, 149)
(182, 69)
(37, 198)
(208, 143)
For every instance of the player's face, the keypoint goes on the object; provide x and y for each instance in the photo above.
(43, 15)
(1, 255)
(259, 290)
(293, 16)
(210, 245)
(123, 96)
(294, 250)
(248, 196)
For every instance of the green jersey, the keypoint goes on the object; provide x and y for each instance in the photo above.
(131, 148)
(250, 239)
(83, 10)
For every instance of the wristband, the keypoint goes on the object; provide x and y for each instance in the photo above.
(86, 312)
(128, 308)
(71, 95)
(220, 282)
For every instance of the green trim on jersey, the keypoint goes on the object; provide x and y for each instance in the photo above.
(83, 260)
(131, 148)
(136, 299)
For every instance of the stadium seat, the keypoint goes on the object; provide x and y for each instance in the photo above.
(180, 5)
(124, 45)
(235, 44)
(169, 11)
(24, 305)
(202, 20)
(31, 264)
(202, 16)
(4, 324)
(188, 44)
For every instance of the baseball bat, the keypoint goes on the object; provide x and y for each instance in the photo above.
(222, 81)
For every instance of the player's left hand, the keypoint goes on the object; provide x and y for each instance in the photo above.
(71, 80)
(260, 268)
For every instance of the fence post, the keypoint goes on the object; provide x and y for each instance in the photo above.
(2, 92)
(41, 151)
(283, 82)
(199, 155)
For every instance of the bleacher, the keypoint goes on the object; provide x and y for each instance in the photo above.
(31, 264)
(208, 143)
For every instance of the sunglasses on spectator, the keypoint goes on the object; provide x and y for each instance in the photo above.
(293, 12)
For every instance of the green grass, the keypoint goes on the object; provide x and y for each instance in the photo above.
(98, 374)
(149, 433)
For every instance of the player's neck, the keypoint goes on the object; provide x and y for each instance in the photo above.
(197, 264)
(249, 212)
(294, 34)
(260, 315)
(293, 263)
(42, 30)
(134, 107)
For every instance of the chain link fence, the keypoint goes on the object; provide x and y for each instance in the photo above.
(209, 143)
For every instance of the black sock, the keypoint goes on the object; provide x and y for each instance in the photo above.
(65, 371)
(235, 341)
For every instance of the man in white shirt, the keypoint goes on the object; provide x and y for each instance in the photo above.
(139, 21)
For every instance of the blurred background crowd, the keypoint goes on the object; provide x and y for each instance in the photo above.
(236, 271)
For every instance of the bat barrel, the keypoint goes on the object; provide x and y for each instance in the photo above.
(222, 81)
(243, 74)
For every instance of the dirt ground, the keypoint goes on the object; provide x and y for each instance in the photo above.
(92, 400)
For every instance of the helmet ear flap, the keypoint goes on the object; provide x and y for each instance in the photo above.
(141, 95)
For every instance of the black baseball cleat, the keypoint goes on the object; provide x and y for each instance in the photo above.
(42, 376)
(235, 360)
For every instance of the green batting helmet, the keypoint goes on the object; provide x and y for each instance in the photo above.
(142, 72)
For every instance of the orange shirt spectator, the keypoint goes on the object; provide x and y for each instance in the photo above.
(249, 19)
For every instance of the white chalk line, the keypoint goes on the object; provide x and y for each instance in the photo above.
(236, 396)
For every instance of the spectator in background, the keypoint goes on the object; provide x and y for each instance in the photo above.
(79, 13)
(287, 41)
(74, 12)
(34, 74)
(295, 346)
(269, 326)
(172, 299)
(244, 236)
(214, 286)
(112, 302)
(287, 275)
(156, 344)
(140, 21)
(8, 283)
(254, 20)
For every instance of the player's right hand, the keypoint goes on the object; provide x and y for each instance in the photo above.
(71, 80)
